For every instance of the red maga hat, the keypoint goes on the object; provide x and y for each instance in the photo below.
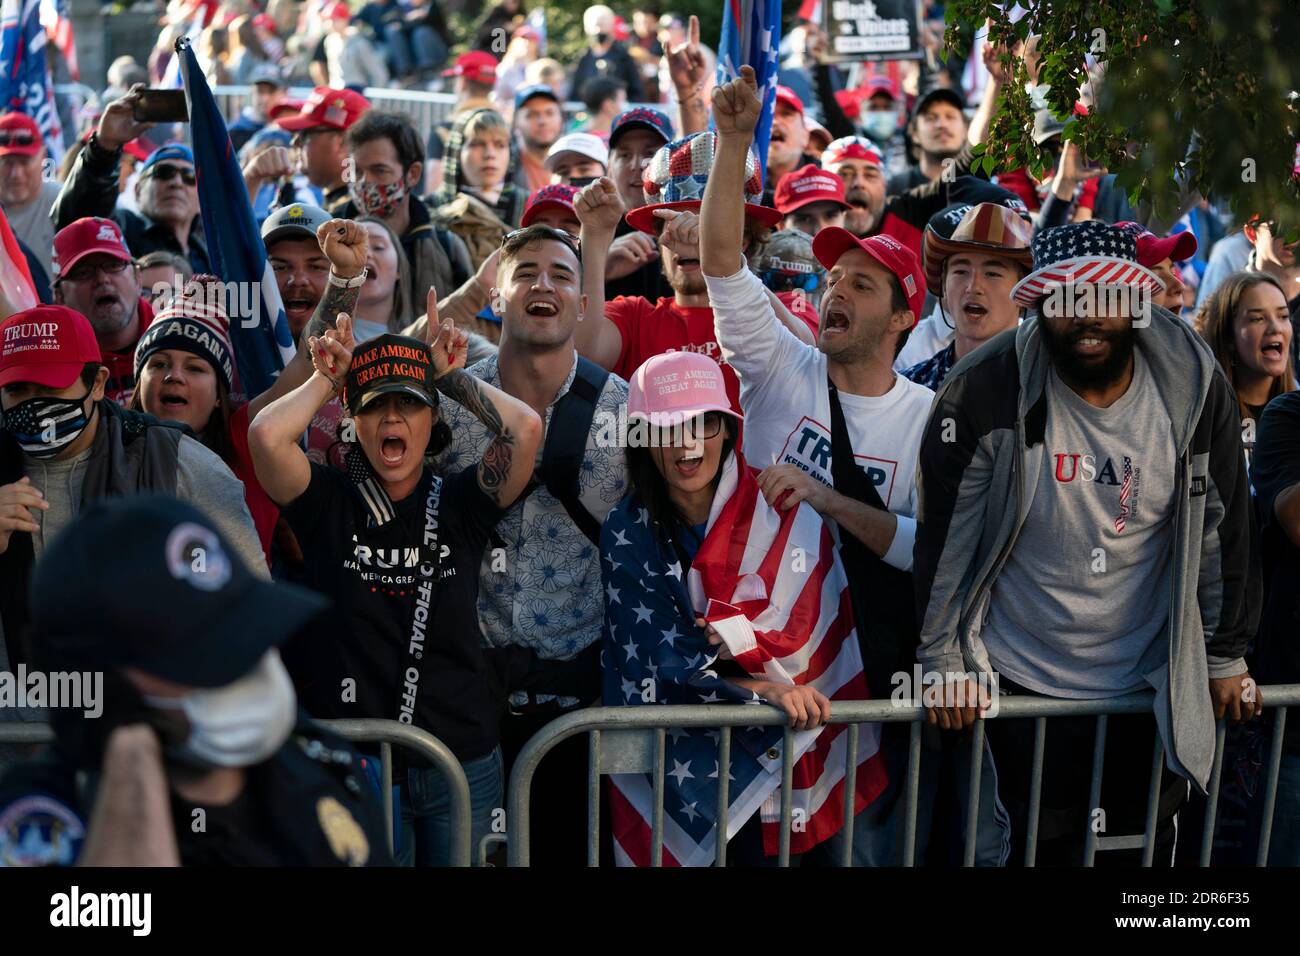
(833, 242)
(48, 345)
(809, 184)
(336, 109)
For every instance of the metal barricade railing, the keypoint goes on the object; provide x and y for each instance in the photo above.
(425, 109)
(389, 732)
(386, 733)
(633, 740)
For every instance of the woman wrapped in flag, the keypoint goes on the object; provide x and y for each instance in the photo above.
(713, 596)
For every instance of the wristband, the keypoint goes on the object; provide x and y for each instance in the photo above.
(354, 283)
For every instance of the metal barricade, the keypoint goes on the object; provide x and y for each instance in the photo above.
(389, 732)
(386, 733)
(633, 740)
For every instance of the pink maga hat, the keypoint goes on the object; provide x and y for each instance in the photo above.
(673, 387)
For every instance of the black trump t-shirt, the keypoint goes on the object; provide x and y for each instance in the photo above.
(353, 663)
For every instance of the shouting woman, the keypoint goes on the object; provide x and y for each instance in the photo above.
(707, 600)
(398, 550)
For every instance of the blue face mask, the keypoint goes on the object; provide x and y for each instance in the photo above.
(880, 125)
(44, 426)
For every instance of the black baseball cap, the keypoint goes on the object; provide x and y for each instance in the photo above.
(387, 364)
(158, 588)
(939, 93)
(295, 221)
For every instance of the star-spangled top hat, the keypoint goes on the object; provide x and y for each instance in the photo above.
(1083, 252)
(677, 175)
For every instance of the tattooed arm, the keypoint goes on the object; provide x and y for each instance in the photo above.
(507, 463)
(346, 244)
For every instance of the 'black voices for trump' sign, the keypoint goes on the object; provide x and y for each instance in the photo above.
(872, 29)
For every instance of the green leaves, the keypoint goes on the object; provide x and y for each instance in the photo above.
(1203, 83)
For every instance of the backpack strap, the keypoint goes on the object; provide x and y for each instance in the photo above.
(566, 444)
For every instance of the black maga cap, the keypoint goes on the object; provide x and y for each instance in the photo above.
(148, 582)
(389, 363)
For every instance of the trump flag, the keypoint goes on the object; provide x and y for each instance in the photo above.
(260, 332)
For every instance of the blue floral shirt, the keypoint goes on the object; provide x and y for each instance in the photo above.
(543, 590)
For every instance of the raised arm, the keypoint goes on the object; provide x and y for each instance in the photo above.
(346, 245)
(278, 461)
(91, 186)
(507, 463)
(690, 72)
(599, 209)
(736, 108)
(271, 165)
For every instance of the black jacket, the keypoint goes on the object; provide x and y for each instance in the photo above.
(615, 63)
(311, 797)
(91, 190)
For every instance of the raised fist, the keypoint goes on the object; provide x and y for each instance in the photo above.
(346, 244)
(737, 105)
(599, 205)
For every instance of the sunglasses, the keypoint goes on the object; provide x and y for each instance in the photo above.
(165, 172)
(16, 137)
(780, 281)
(550, 232)
(684, 434)
(88, 270)
(303, 136)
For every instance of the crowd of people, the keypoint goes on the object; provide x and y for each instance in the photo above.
(569, 392)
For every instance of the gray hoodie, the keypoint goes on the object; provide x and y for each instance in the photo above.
(978, 472)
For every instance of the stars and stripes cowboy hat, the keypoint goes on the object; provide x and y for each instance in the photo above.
(988, 227)
(1081, 253)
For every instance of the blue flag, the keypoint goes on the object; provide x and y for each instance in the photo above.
(25, 85)
(259, 330)
(751, 34)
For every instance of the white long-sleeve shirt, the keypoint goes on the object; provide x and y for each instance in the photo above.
(783, 393)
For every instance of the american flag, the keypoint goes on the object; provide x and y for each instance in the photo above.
(25, 84)
(263, 345)
(746, 579)
(1125, 490)
(751, 34)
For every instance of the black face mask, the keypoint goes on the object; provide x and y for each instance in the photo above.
(602, 38)
(44, 426)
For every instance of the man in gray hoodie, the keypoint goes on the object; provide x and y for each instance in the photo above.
(1083, 533)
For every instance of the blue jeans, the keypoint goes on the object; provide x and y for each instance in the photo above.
(412, 49)
(426, 810)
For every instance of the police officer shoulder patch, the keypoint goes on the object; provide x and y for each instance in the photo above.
(346, 838)
(40, 831)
